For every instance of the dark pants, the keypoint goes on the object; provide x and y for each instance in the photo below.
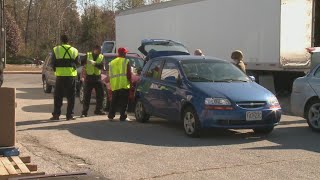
(119, 101)
(89, 86)
(64, 86)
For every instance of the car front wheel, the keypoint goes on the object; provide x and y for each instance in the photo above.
(140, 112)
(313, 115)
(46, 87)
(191, 122)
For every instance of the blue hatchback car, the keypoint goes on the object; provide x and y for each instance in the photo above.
(204, 92)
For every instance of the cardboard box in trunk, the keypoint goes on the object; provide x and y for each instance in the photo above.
(7, 117)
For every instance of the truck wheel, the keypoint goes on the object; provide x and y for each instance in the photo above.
(140, 112)
(81, 93)
(191, 122)
(267, 130)
(105, 102)
(313, 115)
(46, 87)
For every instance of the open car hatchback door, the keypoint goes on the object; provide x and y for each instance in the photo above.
(153, 48)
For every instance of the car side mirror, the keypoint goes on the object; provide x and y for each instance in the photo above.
(139, 70)
(252, 78)
(170, 79)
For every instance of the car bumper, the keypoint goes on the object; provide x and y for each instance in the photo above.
(237, 119)
(297, 104)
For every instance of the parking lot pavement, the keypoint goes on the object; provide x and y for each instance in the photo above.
(158, 149)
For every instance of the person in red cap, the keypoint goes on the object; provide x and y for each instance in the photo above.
(120, 82)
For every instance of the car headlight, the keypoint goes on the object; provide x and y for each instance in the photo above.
(273, 101)
(217, 101)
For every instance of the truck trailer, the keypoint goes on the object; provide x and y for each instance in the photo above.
(272, 34)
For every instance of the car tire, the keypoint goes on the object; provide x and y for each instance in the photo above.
(140, 112)
(46, 87)
(191, 122)
(105, 102)
(313, 115)
(81, 93)
(266, 130)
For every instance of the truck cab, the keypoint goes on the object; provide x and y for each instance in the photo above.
(108, 47)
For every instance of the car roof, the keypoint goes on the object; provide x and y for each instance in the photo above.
(191, 58)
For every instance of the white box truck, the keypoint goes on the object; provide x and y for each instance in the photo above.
(272, 34)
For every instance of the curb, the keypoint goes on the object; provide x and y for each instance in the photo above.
(22, 72)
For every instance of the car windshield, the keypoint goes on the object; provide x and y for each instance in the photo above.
(136, 62)
(206, 71)
(107, 47)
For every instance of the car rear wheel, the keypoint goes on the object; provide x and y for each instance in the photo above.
(46, 87)
(191, 122)
(267, 130)
(105, 102)
(140, 112)
(81, 93)
(313, 115)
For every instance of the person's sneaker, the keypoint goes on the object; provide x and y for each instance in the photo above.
(83, 115)
(55, 118)
(100, 113)
(123, 118)
(110, 117)
(71, 118)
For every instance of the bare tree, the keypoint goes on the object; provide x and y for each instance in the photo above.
(27, 24)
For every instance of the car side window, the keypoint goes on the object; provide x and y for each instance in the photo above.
(154, 70)
(317, 73)
(170, 70)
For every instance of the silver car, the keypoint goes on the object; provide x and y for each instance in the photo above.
(305, 101)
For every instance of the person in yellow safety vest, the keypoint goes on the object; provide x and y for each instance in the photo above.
(64, 63)
(120, 82)
(93, 66)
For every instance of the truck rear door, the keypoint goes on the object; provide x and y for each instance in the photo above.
(296, 33)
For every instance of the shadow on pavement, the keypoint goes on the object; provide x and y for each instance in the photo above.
(26, 123)
(162, 133)
(32, 93)
(42, 108)
(294, 138)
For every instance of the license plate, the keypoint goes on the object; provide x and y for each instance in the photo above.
(254, 116)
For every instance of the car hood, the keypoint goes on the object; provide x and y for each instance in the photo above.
(235, 91)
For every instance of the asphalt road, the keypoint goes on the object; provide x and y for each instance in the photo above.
(159, 150)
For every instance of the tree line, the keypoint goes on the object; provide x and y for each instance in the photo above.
(34, 27)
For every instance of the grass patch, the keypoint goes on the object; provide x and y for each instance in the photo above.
(22, 67)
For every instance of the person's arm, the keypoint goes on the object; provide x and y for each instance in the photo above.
(84, 60)
(129, 73)
(53, 61)
(77, 61)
